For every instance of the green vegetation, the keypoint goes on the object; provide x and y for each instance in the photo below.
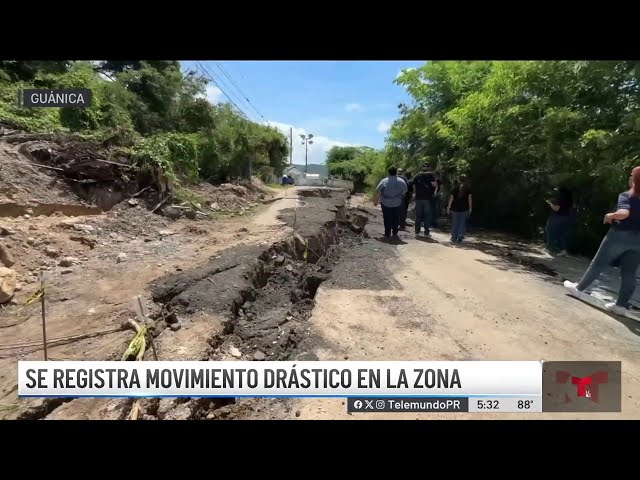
(357, 164)
(153, 112)
(519, 129)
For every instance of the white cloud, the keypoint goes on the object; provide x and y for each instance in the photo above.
(404, 70)
(353, 107)
(383, 127)
(213, 94)
(317, 150)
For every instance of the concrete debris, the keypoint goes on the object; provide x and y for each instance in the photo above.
(259, 356)
(122, 257)
(235, 352)
(175, 326)
(51, 252)
(133, 202)
(8, 282)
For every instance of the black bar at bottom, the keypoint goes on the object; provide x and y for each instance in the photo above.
(409, 405)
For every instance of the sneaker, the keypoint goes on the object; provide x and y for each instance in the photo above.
(617, 309)
(573, 290)
(571, 286)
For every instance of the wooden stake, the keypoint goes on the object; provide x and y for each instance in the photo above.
(44, 320)
(143, 319)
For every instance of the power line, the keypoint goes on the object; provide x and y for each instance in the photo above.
(246, 97)
(206, 72)
(238, 97)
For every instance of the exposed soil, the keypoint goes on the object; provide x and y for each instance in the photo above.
(251, 274)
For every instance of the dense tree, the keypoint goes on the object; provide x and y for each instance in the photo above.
(151, 108)
(522, 128)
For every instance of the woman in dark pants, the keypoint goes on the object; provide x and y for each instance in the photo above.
(620, 246)
(559, 222)
(459, 207)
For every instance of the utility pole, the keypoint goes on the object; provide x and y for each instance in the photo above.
(306, 141)
(290, 145)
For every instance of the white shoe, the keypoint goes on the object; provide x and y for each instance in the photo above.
(573, 290)
(617, 309)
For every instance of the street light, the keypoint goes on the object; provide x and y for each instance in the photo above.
(306, 141)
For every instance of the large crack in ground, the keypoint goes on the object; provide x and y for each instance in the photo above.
(267, 295)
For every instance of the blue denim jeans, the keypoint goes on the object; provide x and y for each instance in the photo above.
(558, 232)
(423, 215)
(459, 225)
(622, 247)
(435, 209)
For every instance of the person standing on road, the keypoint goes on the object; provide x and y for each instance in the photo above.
(460, 206)
(621, 246)
(405, 203)
(559, 222)
(435, 202)
(424, 185)
(390, 193)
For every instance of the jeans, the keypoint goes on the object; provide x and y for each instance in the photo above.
(403, 213)
(423, 215)
(391, 217)
(459, 225)
(558, 230)
(617, 246)
(435, 208)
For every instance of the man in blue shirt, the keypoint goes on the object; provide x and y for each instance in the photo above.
(390, 193)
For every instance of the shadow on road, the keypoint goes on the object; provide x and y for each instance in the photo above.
(425, 239)
(390, 241)
(506, 259)
(632, 325)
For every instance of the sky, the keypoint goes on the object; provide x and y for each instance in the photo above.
(339, 102)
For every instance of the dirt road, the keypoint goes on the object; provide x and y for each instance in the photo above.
(432, 300)
(301, 279)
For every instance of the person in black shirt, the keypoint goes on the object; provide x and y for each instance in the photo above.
(460, 206)
(559, 222)
(424, 185)
(405, 203)
(621, 245)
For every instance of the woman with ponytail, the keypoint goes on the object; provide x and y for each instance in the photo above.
(620, 246)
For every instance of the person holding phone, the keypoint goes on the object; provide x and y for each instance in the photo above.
(621, 246)
(559, 222)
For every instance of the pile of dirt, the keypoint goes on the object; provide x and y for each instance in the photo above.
(230, 197)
